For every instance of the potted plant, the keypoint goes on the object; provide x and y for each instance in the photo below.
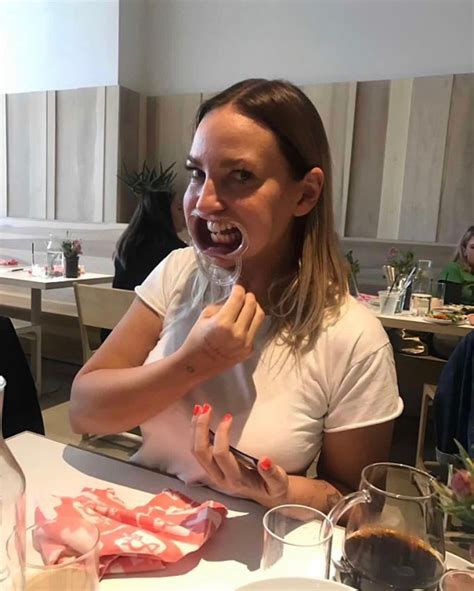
(402, 261)
(457, 499)
(148, 180)
(71, 250)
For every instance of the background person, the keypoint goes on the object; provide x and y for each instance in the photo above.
(461, 269)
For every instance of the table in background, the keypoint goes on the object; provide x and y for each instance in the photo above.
(38, 284)
(406, 320)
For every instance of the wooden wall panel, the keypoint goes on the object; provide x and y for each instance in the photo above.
(368, 149)
(151, 130)
(175, 119)
(3, 156)
(51, 155)
(402, 153)
(80, 154)
(26, 149)
(111, 152)
(393, 173)
(456, 211)
(429, 114)
(336, 106)
(128, 149)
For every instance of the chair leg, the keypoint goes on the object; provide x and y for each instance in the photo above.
(420, 446)
(38, 362)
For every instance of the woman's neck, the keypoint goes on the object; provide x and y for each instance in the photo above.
(257, 278)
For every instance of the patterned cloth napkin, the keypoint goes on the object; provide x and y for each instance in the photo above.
(132, 539)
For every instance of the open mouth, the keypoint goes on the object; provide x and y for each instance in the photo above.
(221, 238)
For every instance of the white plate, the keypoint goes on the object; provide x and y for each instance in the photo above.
(294, 584)
(440, 321)
(453, 561)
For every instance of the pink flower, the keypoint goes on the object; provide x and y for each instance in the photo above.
(77, 246)
(462, 485)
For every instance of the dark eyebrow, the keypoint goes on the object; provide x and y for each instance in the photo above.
(227, 163)
(193, 160)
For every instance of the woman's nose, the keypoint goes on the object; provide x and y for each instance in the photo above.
(208, 199)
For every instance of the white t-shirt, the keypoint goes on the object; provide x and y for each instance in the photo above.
(280, 409)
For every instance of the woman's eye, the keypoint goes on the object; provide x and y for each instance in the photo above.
(242, 175)
(196, 174)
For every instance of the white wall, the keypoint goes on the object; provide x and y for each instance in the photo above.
(132, 42)
(58, 44)
(196, 45)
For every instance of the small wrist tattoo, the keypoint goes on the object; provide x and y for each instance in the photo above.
(190, 369)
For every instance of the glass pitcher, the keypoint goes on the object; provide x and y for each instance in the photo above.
(394, 536)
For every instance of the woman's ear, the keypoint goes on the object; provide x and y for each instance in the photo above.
(312, 187)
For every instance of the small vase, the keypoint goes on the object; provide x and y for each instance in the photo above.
(71, 266)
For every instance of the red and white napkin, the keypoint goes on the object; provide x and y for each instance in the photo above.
(133, 539)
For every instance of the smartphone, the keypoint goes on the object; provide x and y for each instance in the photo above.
(240, 456)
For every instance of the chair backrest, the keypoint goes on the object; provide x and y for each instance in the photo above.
(99, 307)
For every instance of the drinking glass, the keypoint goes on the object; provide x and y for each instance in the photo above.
(78, 570)
(296, 542)
(388, 301)
(438, 294)
(394, 537)
(420, 304)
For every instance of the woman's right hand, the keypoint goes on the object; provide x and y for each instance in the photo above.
(223, 334)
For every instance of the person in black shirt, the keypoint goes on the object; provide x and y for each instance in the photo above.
(149, 237)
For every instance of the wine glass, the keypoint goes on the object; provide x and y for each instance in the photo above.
(61, 554)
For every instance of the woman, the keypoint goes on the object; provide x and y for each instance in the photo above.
(288, 369)
(461, 269)
(149, 237)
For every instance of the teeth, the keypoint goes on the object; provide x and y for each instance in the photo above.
(219, 226)
(219, 238)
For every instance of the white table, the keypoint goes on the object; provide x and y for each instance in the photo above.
(227, 561)
(37, 285)
(406, 320)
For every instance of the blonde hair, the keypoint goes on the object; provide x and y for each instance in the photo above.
(460, 254)
(318, 283)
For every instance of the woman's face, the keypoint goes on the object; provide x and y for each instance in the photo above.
(470, 252)
(238, 174)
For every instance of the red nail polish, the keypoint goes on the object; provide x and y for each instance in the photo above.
(197, 409)
(227, 417)
(266, 464)
(205, 408)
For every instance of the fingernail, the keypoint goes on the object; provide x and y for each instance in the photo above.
(227, 417)
(205, 408)
(266, 464)
(197, 409)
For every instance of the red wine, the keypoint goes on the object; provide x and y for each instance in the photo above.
(385, 559)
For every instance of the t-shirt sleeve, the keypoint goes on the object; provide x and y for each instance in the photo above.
(367, 395)
(452, 272)
(157, 289)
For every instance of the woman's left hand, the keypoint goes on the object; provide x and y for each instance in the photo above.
(268, 484)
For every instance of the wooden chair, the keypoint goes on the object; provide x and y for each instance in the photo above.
(427, 398)
(101, 307)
